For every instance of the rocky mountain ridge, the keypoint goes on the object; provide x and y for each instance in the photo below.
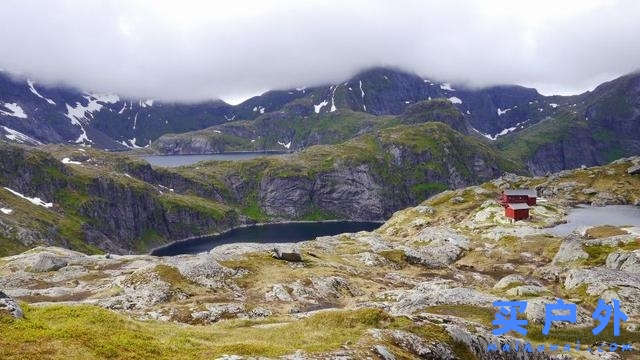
(34, 113)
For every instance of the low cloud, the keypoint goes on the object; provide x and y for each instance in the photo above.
(195, 50)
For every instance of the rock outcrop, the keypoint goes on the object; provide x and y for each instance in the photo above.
(9, 306)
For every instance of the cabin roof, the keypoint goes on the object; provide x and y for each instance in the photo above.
(519, 206)
(525, 192)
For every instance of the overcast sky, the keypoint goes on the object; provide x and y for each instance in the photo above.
(193, 50)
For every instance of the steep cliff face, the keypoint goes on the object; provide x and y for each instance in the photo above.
(568, 153)
(30, 172)
(89, 209)
(130, 214)
(613, 112)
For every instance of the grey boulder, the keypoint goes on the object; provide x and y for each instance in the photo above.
(625, 261)
(634, 170)
(291, 255)
(10, 306)
(44, 262)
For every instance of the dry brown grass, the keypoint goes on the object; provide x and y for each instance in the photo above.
(604, 231)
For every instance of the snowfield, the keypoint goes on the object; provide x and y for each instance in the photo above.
(287, 145)
(69, 161)
(33, 200)
(19, 137)
(36, 93)
(14, 110)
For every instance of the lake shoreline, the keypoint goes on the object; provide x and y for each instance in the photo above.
(220, 153)
(171, 160)
(158, 249)
(586, 215)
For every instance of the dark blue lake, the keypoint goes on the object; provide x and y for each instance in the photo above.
(266, 233)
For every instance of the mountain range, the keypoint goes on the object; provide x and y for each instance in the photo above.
(547, 133)
(64, 115)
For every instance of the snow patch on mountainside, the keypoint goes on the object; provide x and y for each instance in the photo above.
(17, 136)
(105, 98)
(364, 107)
(505, 131)
(33, 200)
(333, 99)
(319, 107)
(36, 93)
(501, 112)
(287, 145)
(131, 144)
(6, 211)
(69, 161)
(146, 103)
(78, 113)
(124, 107)
(455, 100)
(135, 121)
(447, 87)
(14, 110)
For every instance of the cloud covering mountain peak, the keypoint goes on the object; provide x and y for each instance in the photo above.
(194, 50)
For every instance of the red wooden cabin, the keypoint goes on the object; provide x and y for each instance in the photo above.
(519, 211)
(519, 196)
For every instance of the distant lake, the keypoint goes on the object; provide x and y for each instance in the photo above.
(583, 215)
(182, 160)
(266, 233)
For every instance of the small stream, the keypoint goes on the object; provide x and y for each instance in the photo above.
(586, 216)
(291, 232)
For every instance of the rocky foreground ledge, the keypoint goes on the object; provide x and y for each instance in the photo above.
(421, 286)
